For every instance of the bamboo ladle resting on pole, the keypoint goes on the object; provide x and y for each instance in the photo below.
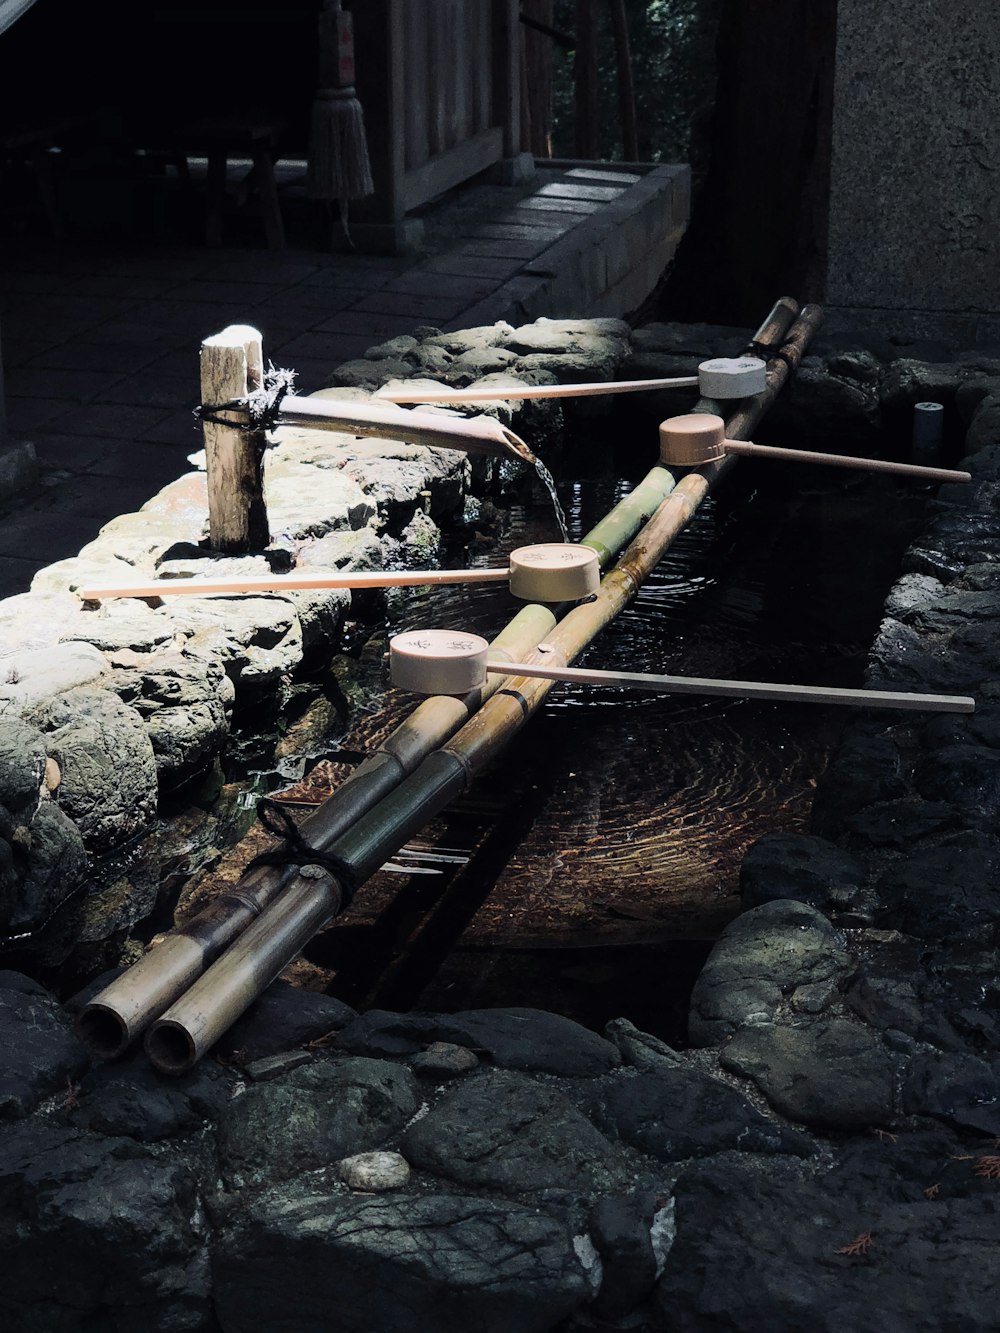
(438, 661)
(548, 572)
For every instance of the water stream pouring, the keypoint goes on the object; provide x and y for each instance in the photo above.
(438, 661)
(699, 438)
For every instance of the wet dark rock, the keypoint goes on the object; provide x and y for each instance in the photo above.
(795, 865)
(130, 1099)
(902, 658)
(892, 1002)
(22, 767)
(911, 594)
(440, 1262)
(984, 428)
(680, 1113)
(526, 1039)
(967, 776)
(787, 1252)
(945, 891)
(620, 1227)
(863, 770)
(41, 1055)
(639, 1049)
(404, 346)
(829, 407)
(902, 823)
(443, 1059)
(759, 958)
(954, 611)
(283, 1018)
(92, 1226)
(108, 785)
(959, 1089)
(502, 1131)
(826, 1073)
(47, 863)
(312, 1117)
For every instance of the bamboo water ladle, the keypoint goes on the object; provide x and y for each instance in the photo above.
(548, 572)
(699, 438)
(721, 378)
(437, 661)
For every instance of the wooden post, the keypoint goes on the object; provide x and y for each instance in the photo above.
(507, 74)
(232, 364)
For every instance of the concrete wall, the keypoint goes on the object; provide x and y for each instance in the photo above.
(915, 182)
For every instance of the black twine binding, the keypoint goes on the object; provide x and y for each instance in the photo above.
(263, 405)
(295, 851)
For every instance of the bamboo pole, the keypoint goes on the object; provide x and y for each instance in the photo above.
(192, 1024)
(232, 365)
(508, 393)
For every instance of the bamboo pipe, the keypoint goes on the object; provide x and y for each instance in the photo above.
(506, 394)
(481, 435)
(206, 1010)
(735, 689)
(115, 1017)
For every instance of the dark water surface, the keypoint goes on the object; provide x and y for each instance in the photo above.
(590, 868)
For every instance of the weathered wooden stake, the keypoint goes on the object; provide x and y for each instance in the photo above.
(232, 364)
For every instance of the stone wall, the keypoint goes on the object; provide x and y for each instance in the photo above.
(913, 212)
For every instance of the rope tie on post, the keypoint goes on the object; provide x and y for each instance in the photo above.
(262, 406)
(294, 850)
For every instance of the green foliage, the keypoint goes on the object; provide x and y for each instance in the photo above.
(673, 61)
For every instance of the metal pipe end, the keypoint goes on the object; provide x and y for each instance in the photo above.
(103, 1031)
(170, 1047)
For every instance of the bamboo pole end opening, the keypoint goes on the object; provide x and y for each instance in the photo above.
(170, 1047)
(103, 1031)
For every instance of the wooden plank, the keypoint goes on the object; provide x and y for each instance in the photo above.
(451, 167)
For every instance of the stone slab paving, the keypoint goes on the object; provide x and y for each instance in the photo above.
(100, 343)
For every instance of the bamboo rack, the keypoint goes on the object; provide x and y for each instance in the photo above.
(177, 1040)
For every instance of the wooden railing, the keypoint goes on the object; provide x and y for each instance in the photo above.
(439, 81)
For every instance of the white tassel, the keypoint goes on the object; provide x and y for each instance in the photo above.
(338, 149)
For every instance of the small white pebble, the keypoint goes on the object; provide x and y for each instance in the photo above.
(374, 1171)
